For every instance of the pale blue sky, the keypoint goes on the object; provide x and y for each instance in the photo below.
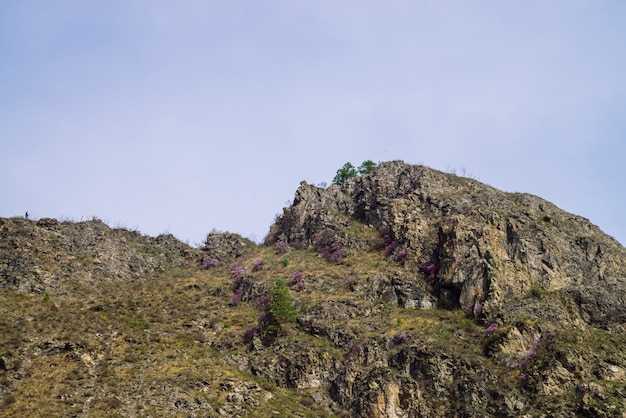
(184, 116)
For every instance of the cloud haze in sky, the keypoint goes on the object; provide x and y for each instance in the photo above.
(186, 116)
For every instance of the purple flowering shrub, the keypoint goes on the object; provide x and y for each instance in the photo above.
(281, 247)
(297, 281)
(236, 298)
(493, 337)
(543, 352)
(249, 334)
(490, 329)
(429, 270)
(209, 262)
(237, 271)
(400, 338)
(264, 300)
(258, 262)
(390, 247)
(326, 244)
(332, 252)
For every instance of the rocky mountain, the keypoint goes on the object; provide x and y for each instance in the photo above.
(406, 292)
(486, 247)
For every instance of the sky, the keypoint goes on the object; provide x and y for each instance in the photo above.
(189, 116)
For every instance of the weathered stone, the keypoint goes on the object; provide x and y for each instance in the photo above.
(36, 257)
(488, 247)
(226, 246)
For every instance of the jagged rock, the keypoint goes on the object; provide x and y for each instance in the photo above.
(488, 247)
(296, 366)
(226, 246)
(36, 257)
(341, 321)
(407, 291)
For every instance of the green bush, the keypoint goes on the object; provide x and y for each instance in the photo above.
(281, 305)
(536, 291)
(366, 167)
(345, 173)
(348, 171)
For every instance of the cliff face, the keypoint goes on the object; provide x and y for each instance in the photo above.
(415, 293)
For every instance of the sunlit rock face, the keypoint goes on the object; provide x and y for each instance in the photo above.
(486, 247)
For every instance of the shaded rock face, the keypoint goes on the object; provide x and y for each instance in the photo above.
(483, 247)
(298, 366)
(37, 256)
(419, 381)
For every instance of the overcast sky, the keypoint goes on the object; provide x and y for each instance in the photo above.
(184, 116)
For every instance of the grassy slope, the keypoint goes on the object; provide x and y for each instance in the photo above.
(165, 345)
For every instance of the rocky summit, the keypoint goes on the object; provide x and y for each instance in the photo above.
(404, 292)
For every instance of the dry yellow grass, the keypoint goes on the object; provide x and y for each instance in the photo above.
(122, 347)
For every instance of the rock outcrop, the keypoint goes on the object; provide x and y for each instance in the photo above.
(482, 247)
(37, 256)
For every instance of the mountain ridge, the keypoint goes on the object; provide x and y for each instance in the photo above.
(416, 293)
